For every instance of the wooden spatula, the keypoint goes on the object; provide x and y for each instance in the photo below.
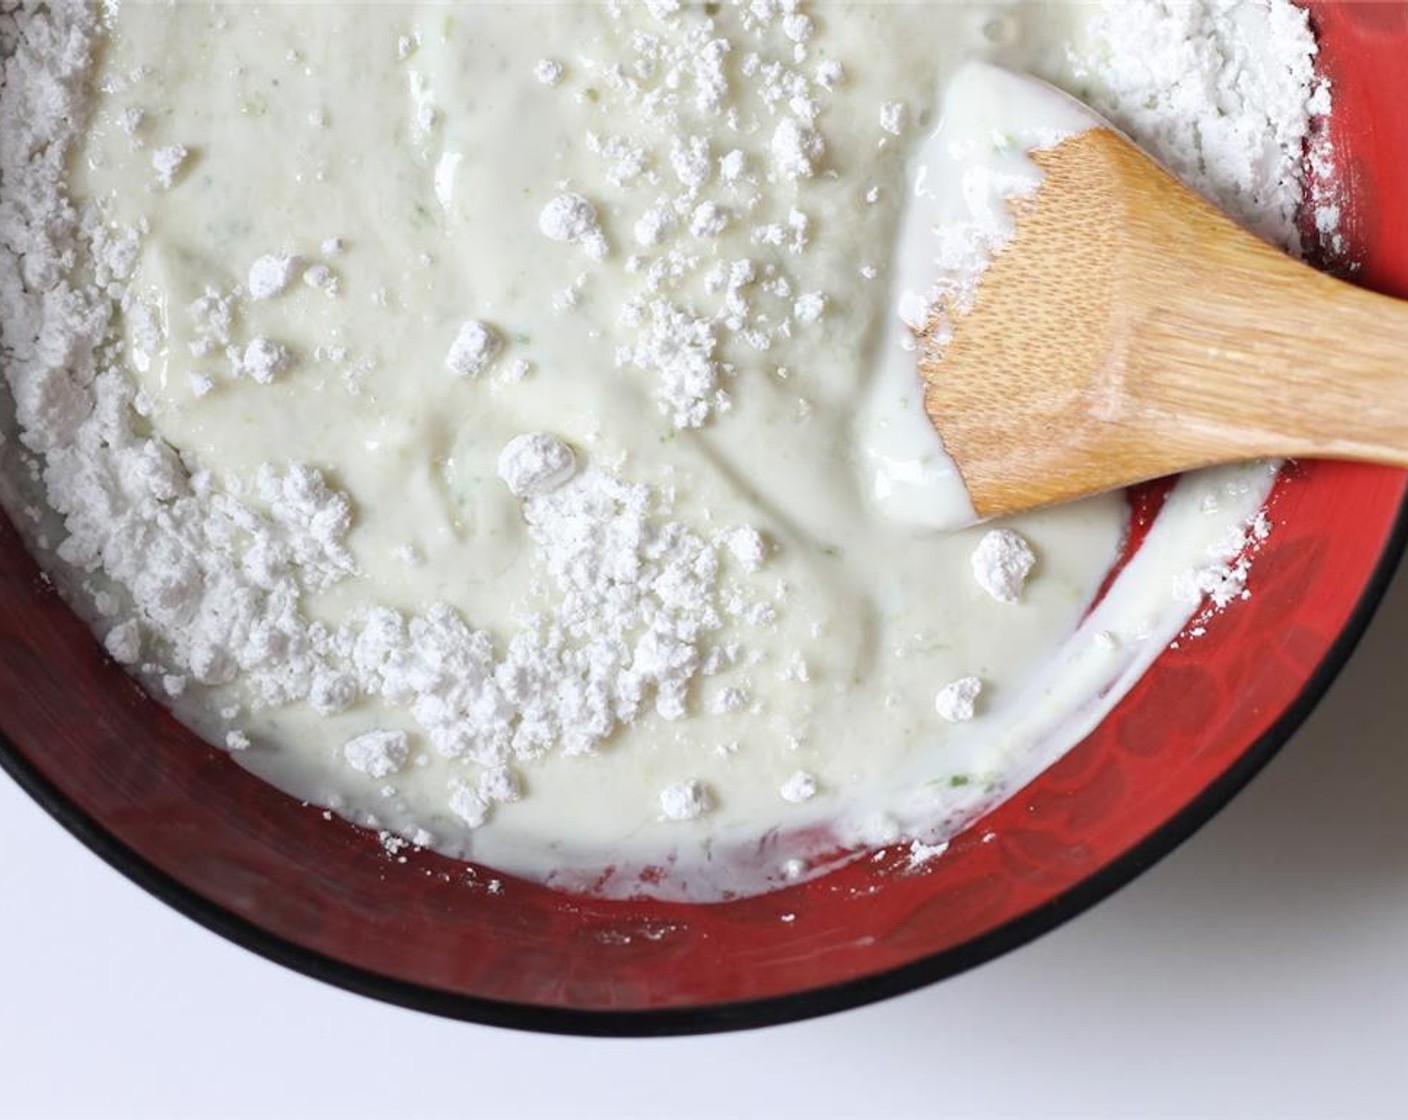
(1131, 331)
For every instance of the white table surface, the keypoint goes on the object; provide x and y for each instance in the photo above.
(1261, 970)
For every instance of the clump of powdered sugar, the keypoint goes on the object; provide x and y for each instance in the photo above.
(269, 275)
(474, 349)
(795, 149)
(570, 217)
(681, 349)
(957, 701)
(167, 163)
(378, 754)
(746, 545)
(685, 801)
(535, 463)
(1223, 94)
(468, 804)
(1001, 564)
(124, 642)
(264, 359)
(500, 784)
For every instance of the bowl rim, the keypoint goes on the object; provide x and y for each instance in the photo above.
(743, 1014)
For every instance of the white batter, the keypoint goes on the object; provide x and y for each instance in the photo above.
(389, 241)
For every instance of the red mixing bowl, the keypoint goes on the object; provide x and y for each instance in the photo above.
(323, 897)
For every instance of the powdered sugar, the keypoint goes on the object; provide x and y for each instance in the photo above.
(1222, 579)
(956, 702)
(800, 786)
(500, 785)
(269, 275)
(378, 754)
(685, 801)
(747, 547)
(795, 149)
(570, 217)
(468, 805)
(168, 163)
(474, 349)
(535, 464)
(638, 598)
(1222, 94)
(124, 643)
(264, 359)
(1001, 564)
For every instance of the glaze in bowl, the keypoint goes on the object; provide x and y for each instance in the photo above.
(416, 929)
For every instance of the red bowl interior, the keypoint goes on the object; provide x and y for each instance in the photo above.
(323, 897)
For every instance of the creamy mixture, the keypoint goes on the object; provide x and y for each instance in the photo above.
(498, 423)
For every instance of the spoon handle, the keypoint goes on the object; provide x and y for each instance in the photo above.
(1255, 354)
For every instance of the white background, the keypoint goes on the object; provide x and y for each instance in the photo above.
(1262, 970)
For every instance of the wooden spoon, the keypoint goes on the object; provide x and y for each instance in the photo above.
(1131, 331)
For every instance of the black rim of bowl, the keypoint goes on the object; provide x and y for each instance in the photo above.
(744, 1014)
